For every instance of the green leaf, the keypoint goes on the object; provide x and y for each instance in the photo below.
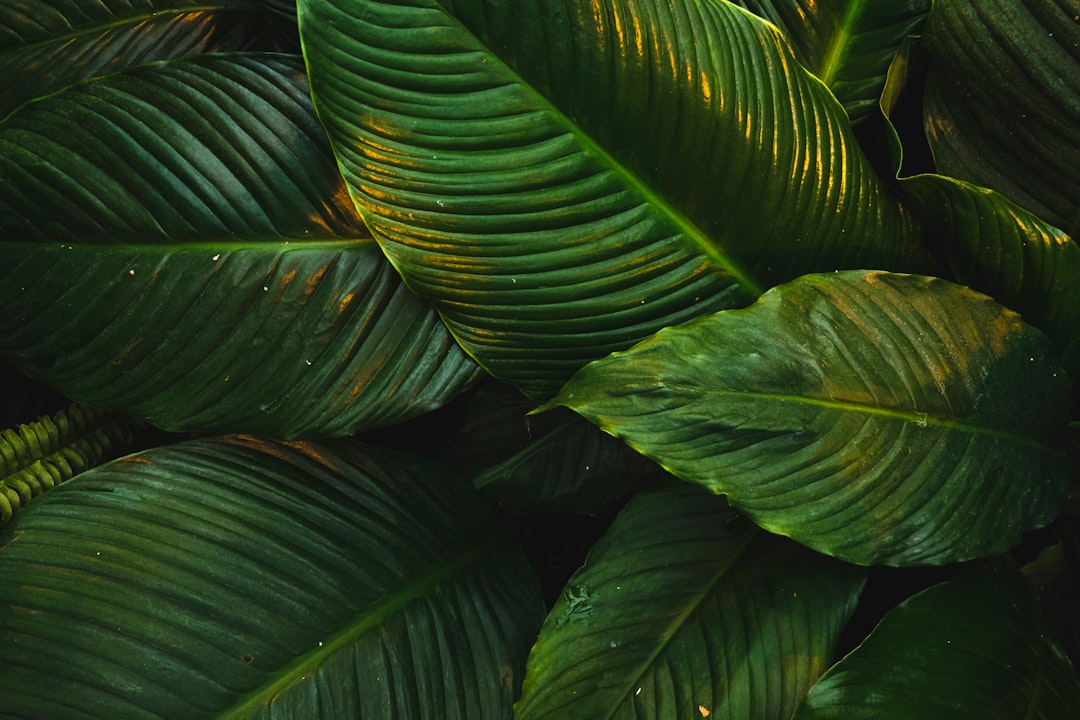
(718, 619)
(990, 243)
(241, 578)
(968, 648)
(38, 456)
(849, 44)
(178, 245)
(572, 468)
(477, 139)
(1002, 103)
(1000, 249)
(46, 45)
(880, 418)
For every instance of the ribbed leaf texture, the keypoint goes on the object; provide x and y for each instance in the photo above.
(38, 456)
(999, 248)
(877, 417)
(240, 578)
(969, 649)
(685, 610)
(46, 45)
(555, 212)
(1002, 106)
(177, 244)
(847, 43)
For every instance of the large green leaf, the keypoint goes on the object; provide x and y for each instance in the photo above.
(880, 418)
(48, 44)
(849, 44)
(240, 578)
(563, 179)
(1003, 99)
(177, 244)
(967, 649)
(685, 610)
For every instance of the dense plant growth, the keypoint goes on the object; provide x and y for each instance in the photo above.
(478, 358)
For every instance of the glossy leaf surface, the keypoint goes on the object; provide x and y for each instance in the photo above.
(998, 248)
(716, 620)
(876, 417)
(239, 578)
(46, 45)
(177, 244)
(967, 649)
(847, 43)
(478, 140)
(1003, 100)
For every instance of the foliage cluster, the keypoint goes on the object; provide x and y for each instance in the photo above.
(491, 358)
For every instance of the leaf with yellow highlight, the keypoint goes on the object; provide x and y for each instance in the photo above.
(553, 212)
(176, 243)
(876, 417)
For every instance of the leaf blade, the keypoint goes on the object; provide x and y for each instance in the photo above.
(179, 245)
(660, 630)
(242, 595)
(478, 143)
(858, 413)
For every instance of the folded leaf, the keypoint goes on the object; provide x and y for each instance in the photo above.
(478, 139)
(966, 649)
(879, 418)
(177, 244)
(847, 43)
(46, 45)
(239, 578)
(718, 620)
(1002, 103)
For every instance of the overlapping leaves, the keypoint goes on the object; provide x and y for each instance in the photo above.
(718, 620)
(177, 244)
(240, 578)
(477, 139)
(880, 418)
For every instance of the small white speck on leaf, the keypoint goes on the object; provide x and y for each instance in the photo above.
(266, 289)
(217, 257)
(308, 363)
(131, 271)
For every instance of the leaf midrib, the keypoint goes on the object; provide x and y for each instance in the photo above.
(365, 620)
(683, 224)
(922, 419)
(837, 49)
(745, 542)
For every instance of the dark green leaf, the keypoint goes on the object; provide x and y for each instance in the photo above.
(967, 649)
(989, 243)
(1003, 99)
(1000, 249)
(238, 578)
(177, 244)
(555, 212)
(46, 45)
(879, 418)
(847, 43)
(572, 468)
(686, 610)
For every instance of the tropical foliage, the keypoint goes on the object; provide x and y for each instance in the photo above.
(476, 358)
